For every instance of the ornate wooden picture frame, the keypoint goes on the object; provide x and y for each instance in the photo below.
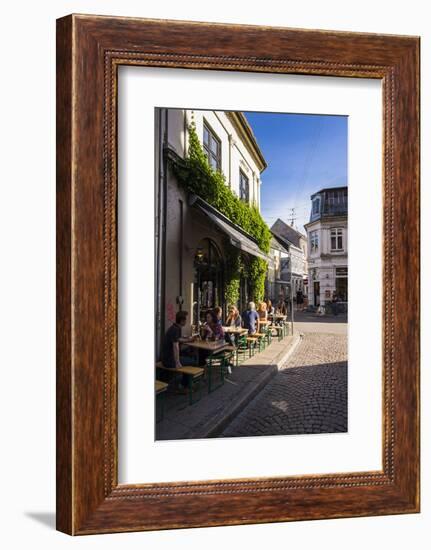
(89, 51)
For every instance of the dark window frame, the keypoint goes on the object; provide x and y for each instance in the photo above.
(243, 177)
(337, 235)
(207, 146)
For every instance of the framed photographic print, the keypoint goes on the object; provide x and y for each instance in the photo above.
(237, 274)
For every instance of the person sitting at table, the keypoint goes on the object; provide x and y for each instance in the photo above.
(233, 318)
(270, 308)
(281, 308)
(250, 318)
(213, 329)
(262, 311)
(219, 312)
(170, 355)
(213, 326)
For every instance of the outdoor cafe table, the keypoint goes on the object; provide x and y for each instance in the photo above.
(235, 330)
(208, 345)
(213, 347)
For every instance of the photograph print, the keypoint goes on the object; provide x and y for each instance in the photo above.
(251, 270)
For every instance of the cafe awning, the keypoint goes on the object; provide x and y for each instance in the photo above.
(237, 236)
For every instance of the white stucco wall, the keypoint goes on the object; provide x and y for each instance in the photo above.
(234, 154)
(324, 268)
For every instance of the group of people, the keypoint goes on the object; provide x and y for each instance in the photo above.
(212, 329)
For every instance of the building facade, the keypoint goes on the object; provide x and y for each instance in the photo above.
(294, 266)
(327, 233)
(277, 286)
(193, 239)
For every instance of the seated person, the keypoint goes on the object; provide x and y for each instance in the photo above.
(281, 307)
(213, 326)
(262, 311)
(234, 318)
(270, 308)
(250, 318)
(170, 355)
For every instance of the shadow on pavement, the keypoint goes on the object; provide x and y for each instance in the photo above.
(300, 400)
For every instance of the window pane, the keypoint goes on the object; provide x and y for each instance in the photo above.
(333, 243)
(214, 145)
(340, 242)
(206, 136)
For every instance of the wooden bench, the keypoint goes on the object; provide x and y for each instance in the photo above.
(259, 337)
(193, 374)
(279, 330)
(160, 389)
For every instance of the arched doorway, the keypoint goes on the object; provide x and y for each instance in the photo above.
(208, 279)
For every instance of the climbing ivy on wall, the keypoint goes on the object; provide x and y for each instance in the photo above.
(196, 176)
(256, 273)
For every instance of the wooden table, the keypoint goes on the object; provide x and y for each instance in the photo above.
(208, 345)
(235, 330)
(213, 347)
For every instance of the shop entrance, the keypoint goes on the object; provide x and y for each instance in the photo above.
(207, 287)
(316, 289)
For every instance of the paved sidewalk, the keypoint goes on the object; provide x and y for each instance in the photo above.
(308, 395)
(326, 324)
(209, 416)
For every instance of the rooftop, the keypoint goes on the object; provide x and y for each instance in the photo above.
(287, 233)
(328, 203)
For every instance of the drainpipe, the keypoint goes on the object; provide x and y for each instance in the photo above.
(180, 255)
(161, 208)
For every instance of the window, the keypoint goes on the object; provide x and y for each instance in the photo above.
(337, 239)
(316, 206)
(243, 187)
(212, 148)
(314, 241)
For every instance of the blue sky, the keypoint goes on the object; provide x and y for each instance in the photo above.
(304, 153)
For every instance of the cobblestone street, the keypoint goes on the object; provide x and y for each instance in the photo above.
(309, 393)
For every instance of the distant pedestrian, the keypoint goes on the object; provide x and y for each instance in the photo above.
(334, 303)
(299, 300)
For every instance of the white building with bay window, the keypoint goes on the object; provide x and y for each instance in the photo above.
(327, 233)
